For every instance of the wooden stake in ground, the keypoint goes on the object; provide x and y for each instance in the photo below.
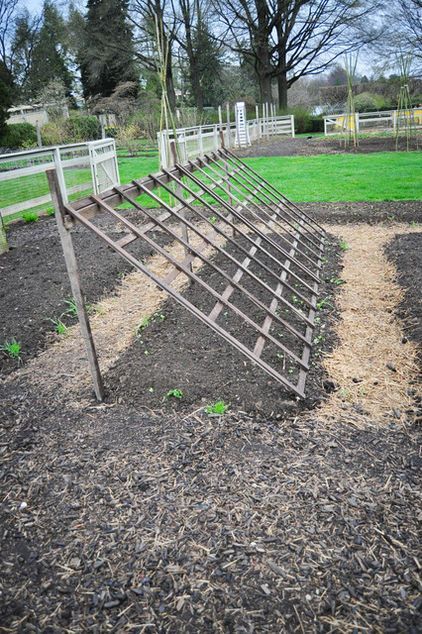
(73, 272)
(3, 237)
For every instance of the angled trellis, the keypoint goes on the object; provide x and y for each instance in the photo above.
(260, 256)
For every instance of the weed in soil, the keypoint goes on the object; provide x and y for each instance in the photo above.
(12, 349)
(219, 408)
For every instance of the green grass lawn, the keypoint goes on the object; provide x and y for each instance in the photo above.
(324, 178)
(344, 177)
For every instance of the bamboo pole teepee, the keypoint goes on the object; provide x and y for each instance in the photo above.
(405, 120)
(351, 121)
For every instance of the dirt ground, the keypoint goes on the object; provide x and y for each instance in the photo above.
(313, 145)
(406, 252)
(132, 516)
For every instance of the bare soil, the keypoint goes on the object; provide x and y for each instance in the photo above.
(406, 253)
(35, 285)
(314, 145)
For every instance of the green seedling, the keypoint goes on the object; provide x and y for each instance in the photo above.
(175, 393)
(323, 303)
(337, 281)
(344, 246)
(30, 216)
(220, 407)
(318, 339)
(12, 348)
(50, 212)
(144, 323)
(59, 326)
(71, 310)
(212, 219)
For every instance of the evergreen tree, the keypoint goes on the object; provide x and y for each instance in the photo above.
(108, 56)
(5, 96)
(49, 56)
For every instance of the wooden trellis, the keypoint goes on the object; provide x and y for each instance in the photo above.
(260, 256)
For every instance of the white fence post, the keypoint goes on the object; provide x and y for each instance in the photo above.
(216, 144)
(200, 142)
(228, 140)
(60, 174)
(292, 123)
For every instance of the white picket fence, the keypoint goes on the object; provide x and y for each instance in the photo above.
(371, 121)
(81, 167)
(198, 140)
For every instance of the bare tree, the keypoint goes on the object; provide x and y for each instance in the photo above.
(143, 14)
(411, 22)
(289, 39)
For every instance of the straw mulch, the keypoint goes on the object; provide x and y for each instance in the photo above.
(373, 365)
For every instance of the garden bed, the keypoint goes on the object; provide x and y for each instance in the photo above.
(127, 517)
(314, 145)
(35, 285)
(406, 253)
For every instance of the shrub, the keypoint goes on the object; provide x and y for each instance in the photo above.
(81, 127)
(19, 135)
(78, 127)
(53, 133)
(316, 124)
(302, 118)
(367, 102)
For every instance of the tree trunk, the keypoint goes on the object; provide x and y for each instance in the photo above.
(282, 90)
(265, 88)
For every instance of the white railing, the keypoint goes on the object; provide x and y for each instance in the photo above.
(198, 140)
(382, 120)
(81, 167)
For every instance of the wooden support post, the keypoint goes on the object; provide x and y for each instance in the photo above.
(220, 119)
(228, 140)
(63, 225)
(3, 237)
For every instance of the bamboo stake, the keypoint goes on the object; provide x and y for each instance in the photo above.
(351, 122)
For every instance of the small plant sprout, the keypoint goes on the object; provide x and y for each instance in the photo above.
(12, 349)
(337, 281)
(30, 216)
(219, 407)
(59, 326)
(72, 311)
(344, 246)
(144, 323)
(323, 303)
(175, 393)
(213, 219)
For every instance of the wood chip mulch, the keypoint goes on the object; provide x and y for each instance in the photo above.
(118, 521)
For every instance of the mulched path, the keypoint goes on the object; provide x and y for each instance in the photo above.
(314, 145)
(114, 520)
